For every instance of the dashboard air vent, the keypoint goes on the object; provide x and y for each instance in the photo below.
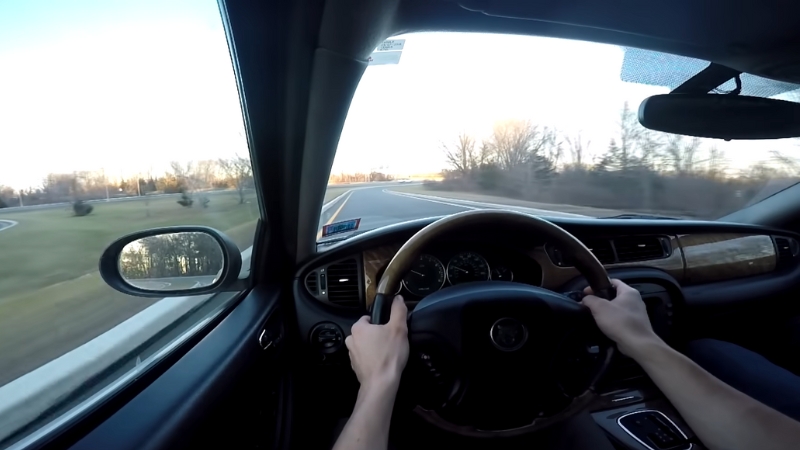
(788, 249)
(639, 248)
(343, 286)
(311, 283)
(602, 250)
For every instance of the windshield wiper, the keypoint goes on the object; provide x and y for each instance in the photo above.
(641, 216)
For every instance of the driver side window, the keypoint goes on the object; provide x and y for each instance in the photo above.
(115, 117)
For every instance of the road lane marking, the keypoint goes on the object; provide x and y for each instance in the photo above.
(333, 217)
(526, 210)
(403, 194)
(10, 223)
(328, 205)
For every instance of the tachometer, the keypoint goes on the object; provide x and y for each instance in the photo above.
(466, 267)
(425, 276)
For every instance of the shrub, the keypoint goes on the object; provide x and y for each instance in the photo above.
(81, 208)
(3, 204)
(186, 200)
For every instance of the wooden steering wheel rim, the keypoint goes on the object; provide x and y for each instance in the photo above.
(584, 260)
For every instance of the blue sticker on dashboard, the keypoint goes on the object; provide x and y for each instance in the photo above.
(340, 227)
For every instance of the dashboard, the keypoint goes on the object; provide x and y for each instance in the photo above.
(698, 256)
(686, 272)
(451, 263)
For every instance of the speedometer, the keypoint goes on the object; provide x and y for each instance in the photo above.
(425, 276)
(466, 267)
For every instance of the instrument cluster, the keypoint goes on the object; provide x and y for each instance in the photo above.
(439, 269)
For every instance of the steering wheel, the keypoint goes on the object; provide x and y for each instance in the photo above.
(499, 358)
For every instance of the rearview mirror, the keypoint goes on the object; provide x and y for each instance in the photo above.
(721, 116)
(171, 261)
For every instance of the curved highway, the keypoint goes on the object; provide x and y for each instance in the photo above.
(379, 206)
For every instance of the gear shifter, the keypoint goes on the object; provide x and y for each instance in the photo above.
(654, 430)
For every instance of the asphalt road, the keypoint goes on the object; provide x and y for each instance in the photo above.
(377, 207)
(380, 206)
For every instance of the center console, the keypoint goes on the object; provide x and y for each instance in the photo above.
(636, 423)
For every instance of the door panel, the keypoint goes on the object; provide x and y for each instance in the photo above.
(224, 391)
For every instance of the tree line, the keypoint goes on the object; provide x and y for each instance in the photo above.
(360, 177)
(170, 256)
(235, 172)
(638, 170)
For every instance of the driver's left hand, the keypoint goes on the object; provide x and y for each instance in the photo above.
(379, 353)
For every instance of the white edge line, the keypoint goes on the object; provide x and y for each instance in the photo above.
(404, 194)
(328, 205)
(431, 198)
(24, 398)
(12, 222)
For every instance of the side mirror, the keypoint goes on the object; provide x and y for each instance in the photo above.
(172, 262)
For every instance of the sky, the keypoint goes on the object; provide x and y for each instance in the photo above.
(128, 86)
(120, 86)
(448, 83)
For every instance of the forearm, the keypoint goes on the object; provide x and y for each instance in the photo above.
(721, 416)
(368, 426)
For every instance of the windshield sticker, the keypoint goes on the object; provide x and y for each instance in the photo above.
(387, 53)
(391, 45)
(340, 227)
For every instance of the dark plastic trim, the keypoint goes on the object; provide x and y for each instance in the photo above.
(628, 275)
(167, 411)
(742, 291)
(231, 266)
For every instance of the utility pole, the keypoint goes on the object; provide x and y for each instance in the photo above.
(105, 181)
(20, 198)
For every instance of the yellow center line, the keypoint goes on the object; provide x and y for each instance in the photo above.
(339, 209)
(333, 217)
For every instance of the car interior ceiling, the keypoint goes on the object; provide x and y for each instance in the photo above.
(298, 65)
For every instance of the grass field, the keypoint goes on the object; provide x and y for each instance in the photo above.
(51, 297)
(335, 191)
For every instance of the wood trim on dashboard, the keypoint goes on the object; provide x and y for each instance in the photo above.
(554, 276)
(375, 260)
(695, 259)
(717, 257)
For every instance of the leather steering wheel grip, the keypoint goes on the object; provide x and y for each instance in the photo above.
(585, 261)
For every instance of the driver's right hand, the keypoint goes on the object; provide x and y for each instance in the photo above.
(623, 319)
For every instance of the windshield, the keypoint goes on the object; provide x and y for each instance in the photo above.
(448, 122)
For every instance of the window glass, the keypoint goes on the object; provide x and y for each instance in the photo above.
(447, 122)
(115, 117)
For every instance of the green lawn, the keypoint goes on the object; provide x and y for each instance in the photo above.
(52, 245)
(335, 191)
(52, 298)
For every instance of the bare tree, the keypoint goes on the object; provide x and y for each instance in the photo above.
(716, 162)
(630, 134)
(461, 155)
(239, 173)
(515, 143)
(485, 154)
(786, 164)
(681, 155)
(205, 172)
(577, 149)
(183, 173)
